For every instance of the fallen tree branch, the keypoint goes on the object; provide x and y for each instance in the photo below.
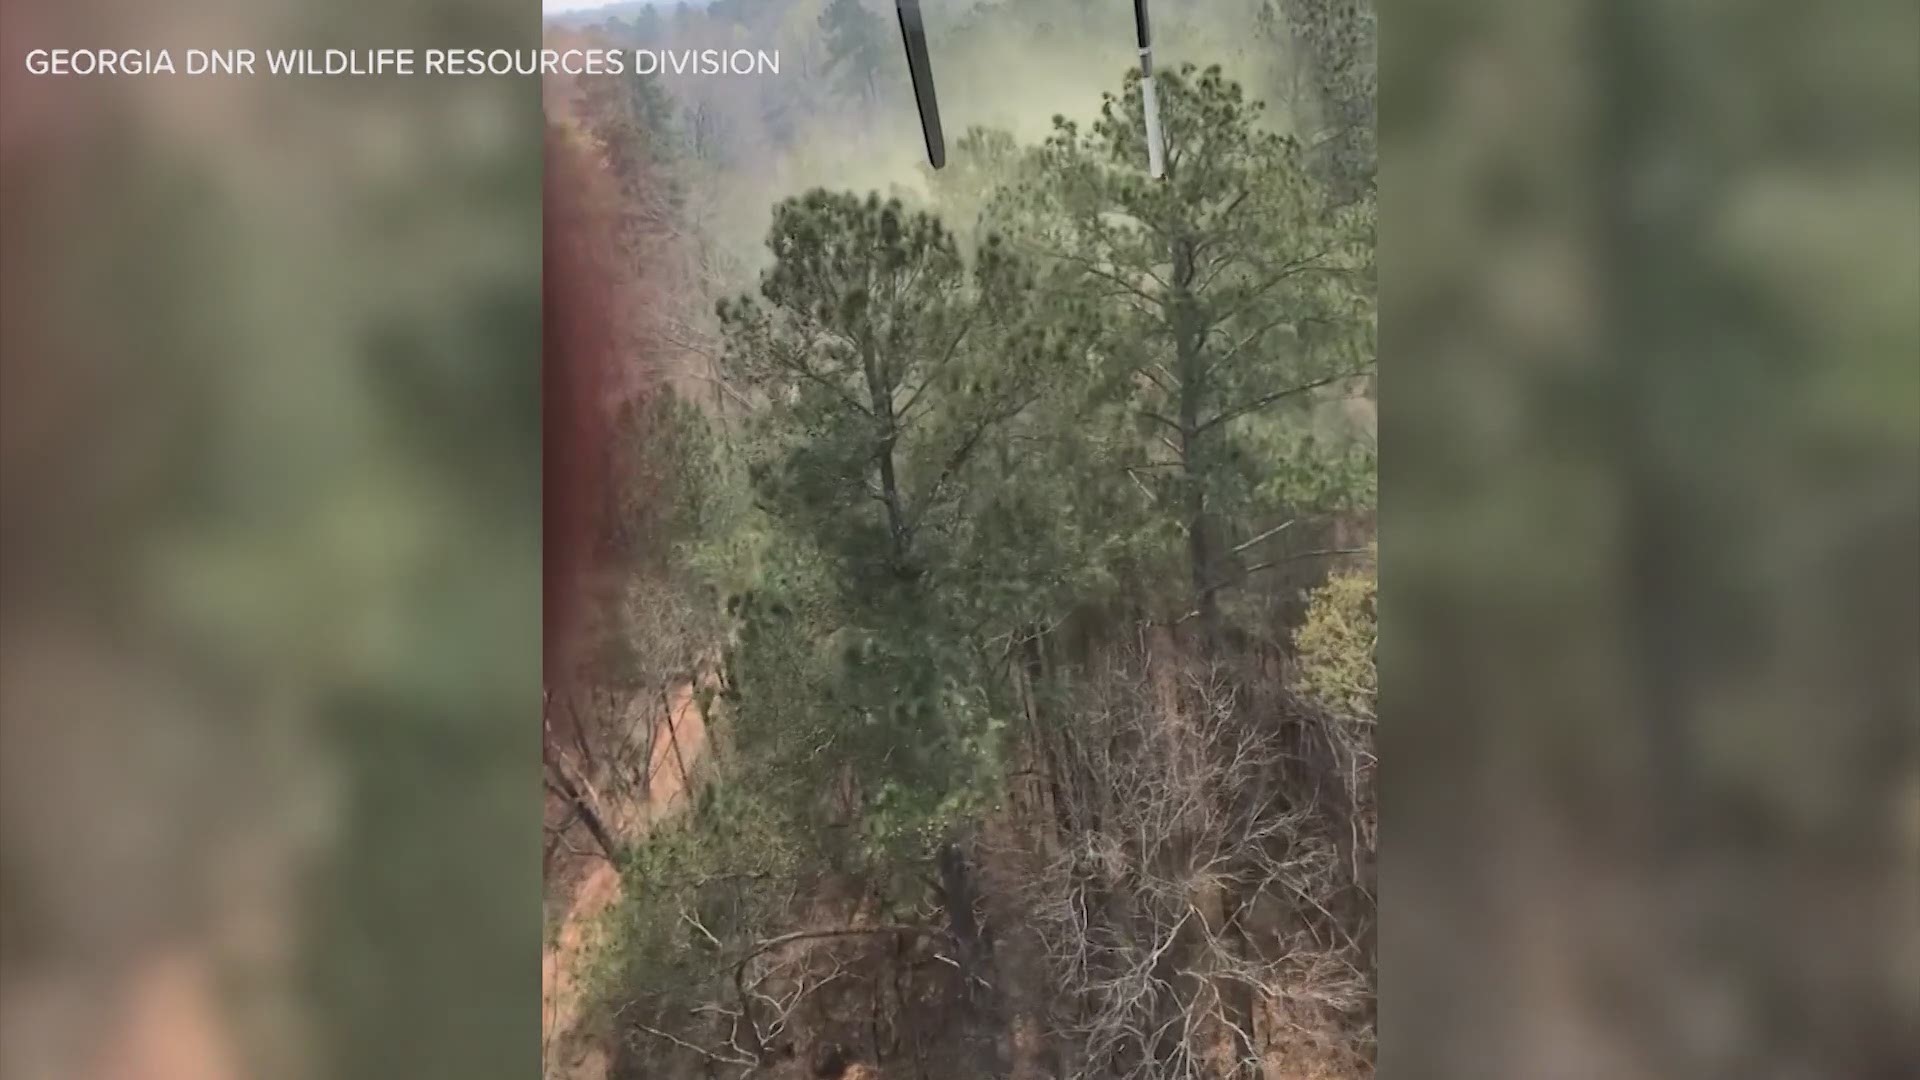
(760, 948)
(772, 943)
(701, 1050)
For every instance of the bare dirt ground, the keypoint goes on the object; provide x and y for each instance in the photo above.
(565, 1055)
(582, 886)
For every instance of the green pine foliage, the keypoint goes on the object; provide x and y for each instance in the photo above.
(887, 366)
(977, 436)
(1236, 301)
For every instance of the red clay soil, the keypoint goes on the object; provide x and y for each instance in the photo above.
(583, 324)
(564, 1053)
(583, 887)
(598, 364)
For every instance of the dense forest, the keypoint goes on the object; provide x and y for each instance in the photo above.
(974, 669)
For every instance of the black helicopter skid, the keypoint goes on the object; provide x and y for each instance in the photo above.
(914, 32)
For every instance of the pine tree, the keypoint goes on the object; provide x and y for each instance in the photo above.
(886, 363)
(857, 45)
(1233, 289)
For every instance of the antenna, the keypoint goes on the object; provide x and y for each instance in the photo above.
(1156, 155)
(914, 33)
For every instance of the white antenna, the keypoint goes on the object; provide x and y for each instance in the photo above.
(1156, 155)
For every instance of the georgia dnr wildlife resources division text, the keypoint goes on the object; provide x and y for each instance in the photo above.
(404, 61)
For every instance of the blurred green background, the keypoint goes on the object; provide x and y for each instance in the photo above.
(270, 787)
(1650, 538)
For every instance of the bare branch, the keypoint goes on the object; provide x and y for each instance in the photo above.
(701, 1050)
(1275, 531)
(1264, 400)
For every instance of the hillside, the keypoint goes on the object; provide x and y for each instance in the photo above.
(1008, 530)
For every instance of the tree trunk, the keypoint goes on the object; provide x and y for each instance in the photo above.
(880, 401)
(1190, 367)
(956, 883)
(589, 815)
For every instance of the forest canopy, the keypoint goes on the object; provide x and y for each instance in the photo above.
(1014, 528)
